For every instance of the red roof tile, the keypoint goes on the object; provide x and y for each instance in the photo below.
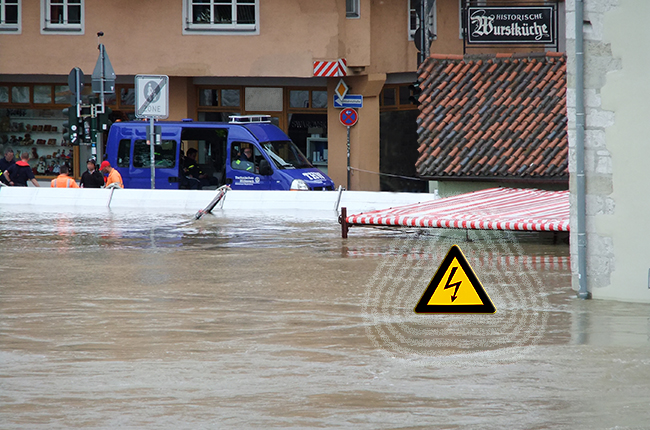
(501, 117)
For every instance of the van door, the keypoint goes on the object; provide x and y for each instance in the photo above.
(165, 160)
(244, 169)
(205, 156)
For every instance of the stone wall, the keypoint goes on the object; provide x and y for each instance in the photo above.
(599, 61)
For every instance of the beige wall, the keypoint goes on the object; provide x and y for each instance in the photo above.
(146, 37)
(448, 40)
(364, 136)
(617, 151)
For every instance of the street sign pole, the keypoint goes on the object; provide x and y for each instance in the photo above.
(103, 82)
(152, 159)
(348, 118)
(152, 101)
(348, 187)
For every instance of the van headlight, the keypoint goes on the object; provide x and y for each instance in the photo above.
(299, 185)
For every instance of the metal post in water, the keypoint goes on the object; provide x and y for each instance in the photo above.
(152, 140)
(348, 187)
(343, 219)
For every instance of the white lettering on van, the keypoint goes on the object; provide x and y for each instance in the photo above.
(314, 176)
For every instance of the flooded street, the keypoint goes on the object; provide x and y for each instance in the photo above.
(153, 320)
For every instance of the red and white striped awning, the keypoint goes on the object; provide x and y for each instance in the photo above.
(492, 209)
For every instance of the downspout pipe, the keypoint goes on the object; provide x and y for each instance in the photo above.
(581, 218)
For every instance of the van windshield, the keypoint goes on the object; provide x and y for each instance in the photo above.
(286, 155)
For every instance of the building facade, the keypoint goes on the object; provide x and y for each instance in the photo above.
(235, 57)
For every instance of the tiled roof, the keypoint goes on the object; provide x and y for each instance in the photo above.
(499, 117)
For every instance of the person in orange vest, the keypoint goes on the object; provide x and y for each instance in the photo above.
(63, 180)
(114, 176)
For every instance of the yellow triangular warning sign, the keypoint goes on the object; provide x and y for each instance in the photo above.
(455, 288)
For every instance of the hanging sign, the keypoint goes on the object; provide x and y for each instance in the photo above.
(511, 25)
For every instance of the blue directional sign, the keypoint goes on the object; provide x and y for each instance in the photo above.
(349, 101)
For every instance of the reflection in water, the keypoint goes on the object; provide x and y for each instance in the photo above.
(150, 320)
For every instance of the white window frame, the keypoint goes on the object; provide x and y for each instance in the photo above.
(10, 28)
(352, 9)
(73, 28)
(433, 13)
(190, 28)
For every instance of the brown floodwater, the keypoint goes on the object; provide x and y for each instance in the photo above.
(131, 319)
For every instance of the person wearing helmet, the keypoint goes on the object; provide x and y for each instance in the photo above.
(92, 178)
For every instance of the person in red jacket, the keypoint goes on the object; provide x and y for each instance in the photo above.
(63, 180)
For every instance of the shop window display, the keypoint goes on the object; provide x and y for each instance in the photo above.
(39, 132)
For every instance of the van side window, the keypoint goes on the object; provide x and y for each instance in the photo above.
(165, 154)
(245, 156)
(124, 153)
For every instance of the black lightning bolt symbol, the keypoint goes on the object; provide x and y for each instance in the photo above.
(455, 284)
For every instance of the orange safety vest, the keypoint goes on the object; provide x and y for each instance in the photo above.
(64, 181)
(114, 176)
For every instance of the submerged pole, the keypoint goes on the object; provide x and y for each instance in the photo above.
(344, 223)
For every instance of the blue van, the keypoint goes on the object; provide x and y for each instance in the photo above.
(275, 164)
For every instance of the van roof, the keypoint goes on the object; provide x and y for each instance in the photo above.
(263, 132)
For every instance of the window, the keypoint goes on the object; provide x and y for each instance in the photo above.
(396, 97)
(300, 99)
(36, 96)
(285, 155)
(352, 8)
(245, 156)
(10, 16)
(124, 153)
(164, 154)
(414, 18)
(219, 97)
(42, 94)
(62, 16)
(203, 16)
(20, 94)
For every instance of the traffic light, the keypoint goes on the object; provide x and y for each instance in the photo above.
(416, 89)
(86, 133)
(73, 125)
(104, 119)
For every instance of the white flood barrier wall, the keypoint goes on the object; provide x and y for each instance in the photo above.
(190, 201)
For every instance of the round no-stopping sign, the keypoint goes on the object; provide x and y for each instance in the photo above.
(348, 117)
